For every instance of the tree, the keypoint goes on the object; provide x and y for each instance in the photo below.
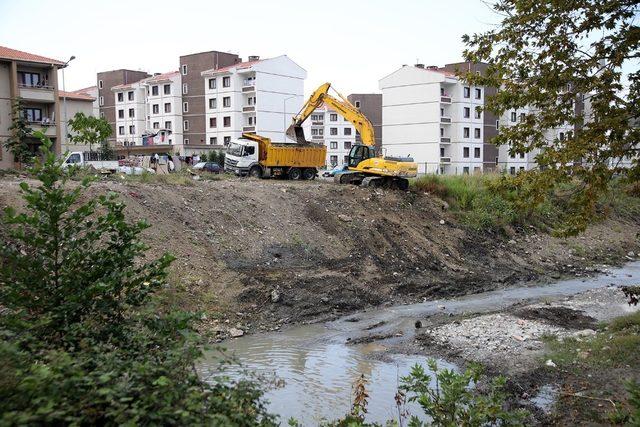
(20, 133)
(213, 156)
(81, 343)
(221, 156)
(92, 131)
(547, 56)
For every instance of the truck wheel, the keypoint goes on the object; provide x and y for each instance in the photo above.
(255, 172)
(308, 174)
(294, 173)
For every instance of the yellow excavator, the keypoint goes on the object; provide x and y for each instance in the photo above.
(364, 166)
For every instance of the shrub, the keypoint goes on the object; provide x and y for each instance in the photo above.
(80, 343)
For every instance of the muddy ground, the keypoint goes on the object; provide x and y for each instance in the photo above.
(257, 254)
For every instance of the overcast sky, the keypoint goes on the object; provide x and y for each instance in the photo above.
(351, 44)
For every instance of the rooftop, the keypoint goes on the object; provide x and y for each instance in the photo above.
(18, 55)
(161, 77)
(238, 66)
(80, 96)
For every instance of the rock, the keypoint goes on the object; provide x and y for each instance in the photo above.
(418, 324)
(512, 242)
(585, 333)
(630, 254)
(344, 218)
(275, 296)
(442, 222)
(235, 332)
(441, 307)
(445, 206)
(550, 363)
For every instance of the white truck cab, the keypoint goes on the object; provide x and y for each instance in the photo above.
(241, 156)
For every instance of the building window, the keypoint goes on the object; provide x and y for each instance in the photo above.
(167, 107)
(132, 112)
(441, 132)
(120, 97)
(465, 132)
(333, 131)
(512, 170)
(33, 114)
(185, 107)
(121, 130)
(154, 90)
(132, 130)
(497, 159)
(497, 124)
(521, 168)
(226, 121)
(185, 125)
(101, 101)
(101, 114)
(29, 79)
(561, 136)
(441, 151)
(213, 140)
(100, 86)
(442, 112)
(226, 81)
(347, 145)
(130, 96)
(513, 116)
(333, 145)
(167, 89)
(333, 117)
(441, 91)
(466, 112)
(465, 152)
(522, 116)
(185, 88)
(522, 155)
(227, 140)
(121, 114)
(226, 102)
(155, 109)
(478, 113)
(465, 170)
(186, 141)
(333, 160)
(476, 170)
(357, 104)
(213, 103)
(156, 125)
(466, 92)
(476, 132)
(476, 152)
(347, 131)
(167, 125)
(184, 70)
(478, 93)
(212, 84)
(213, 122)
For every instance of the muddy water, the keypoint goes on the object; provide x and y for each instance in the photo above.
(316, 366)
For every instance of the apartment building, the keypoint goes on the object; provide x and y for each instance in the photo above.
(431, 115)
(91, 91)
(34, 79)
(326, 126)
(370, 104)
(130, 112)
(107, 80)
(75, 102)
(260, 95)
(194, 104)
(164, 107)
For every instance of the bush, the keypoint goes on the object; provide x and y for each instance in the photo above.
(80, 344)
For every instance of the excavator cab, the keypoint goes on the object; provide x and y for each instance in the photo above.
(359, 153)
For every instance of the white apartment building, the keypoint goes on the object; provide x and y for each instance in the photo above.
(337, 133)
(432, 116)
(151, 106)
(257, 96)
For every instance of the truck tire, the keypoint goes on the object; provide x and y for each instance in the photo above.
(309, 173)
(255, 172)
(295, 173)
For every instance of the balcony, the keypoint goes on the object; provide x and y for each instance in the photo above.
(446, 120)
(445, 99)
(37, 93)
(248, 85)
(445, 160)
(248, 108)
(46, 127)
(445, 140)
(317, 137)
(248, 128)
(317, 123)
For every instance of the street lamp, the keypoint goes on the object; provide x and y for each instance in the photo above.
(284, 116)
(64, 100)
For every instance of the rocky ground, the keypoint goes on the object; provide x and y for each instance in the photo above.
(258, 254)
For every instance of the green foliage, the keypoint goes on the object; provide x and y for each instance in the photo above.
(20, 133)
(456, 400)
(213, 156)
(547, 57)
(81, 343)
(633, 388)
(221, 156)
(92, 131)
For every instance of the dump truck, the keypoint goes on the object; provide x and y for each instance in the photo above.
(256, 156)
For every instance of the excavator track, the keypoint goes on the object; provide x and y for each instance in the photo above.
(357, 178)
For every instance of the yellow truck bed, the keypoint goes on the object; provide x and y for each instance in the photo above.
(294, 155)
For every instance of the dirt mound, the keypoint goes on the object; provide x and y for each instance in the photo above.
(558, 316)
(327, 249)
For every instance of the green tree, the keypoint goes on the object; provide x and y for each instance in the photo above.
(221, 155)
(92, 131)
(80, 342)
(17, 143)
(213, 156)
(547, 56)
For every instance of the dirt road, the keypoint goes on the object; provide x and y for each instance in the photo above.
(254, 255)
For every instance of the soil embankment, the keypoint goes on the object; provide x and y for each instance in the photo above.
(254, 255)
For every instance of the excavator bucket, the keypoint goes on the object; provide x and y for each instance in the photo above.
(297, 134)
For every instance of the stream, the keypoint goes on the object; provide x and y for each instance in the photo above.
(312, 368)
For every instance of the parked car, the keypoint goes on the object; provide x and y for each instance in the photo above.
(333, 172)
(210, 167)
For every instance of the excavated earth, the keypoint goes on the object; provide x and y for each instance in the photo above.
(256, 254)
